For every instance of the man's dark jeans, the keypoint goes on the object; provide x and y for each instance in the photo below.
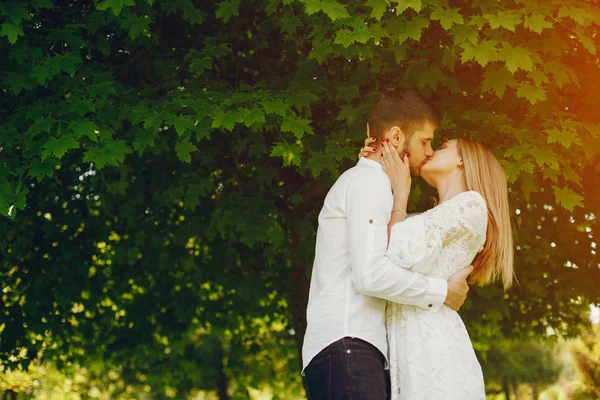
(348, 369)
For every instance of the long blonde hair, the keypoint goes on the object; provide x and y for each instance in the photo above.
(484, 174)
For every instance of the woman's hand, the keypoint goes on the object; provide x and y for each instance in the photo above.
(397, 170)
(367, 150)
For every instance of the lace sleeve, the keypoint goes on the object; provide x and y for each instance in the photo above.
(416, 238)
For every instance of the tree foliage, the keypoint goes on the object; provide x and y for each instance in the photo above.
(163, 164)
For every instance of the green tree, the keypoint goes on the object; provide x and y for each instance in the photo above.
(163, 164)
(586, 354)
(510, 363)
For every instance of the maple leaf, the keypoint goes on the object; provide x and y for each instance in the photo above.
(59, 146)
(291, 154)
(505, 19)
(297, 126)
(497, 79)
(533, 94)
(447, 17)
(379, 7)
(412, 29)
(115, 5)
(227, 9)
(183, 150)
(567, 198)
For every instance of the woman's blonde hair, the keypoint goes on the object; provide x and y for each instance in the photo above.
(484, 174)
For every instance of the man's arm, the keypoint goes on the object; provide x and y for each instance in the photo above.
(368, 207)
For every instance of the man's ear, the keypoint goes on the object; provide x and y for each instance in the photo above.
(396, 136)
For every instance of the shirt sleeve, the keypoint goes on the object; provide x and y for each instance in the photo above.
(368, 208)
(419, 237)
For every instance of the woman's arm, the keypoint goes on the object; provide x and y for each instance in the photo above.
(398, 212)
(417, 238)
(398, 172)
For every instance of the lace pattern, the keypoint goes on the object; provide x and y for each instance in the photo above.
(431, 355)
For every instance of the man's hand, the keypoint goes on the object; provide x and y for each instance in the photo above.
(458, 289)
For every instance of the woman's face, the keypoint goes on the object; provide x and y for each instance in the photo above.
(445, 162)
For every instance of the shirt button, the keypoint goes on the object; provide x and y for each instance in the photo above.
(370, 221)
(430, 305)
(348, 351)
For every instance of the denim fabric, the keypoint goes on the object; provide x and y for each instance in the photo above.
(349, 368)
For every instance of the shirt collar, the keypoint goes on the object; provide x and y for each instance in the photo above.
(369, 163)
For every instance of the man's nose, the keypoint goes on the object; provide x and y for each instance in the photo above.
(429, 152)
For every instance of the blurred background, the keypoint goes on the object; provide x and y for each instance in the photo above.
(163, 163)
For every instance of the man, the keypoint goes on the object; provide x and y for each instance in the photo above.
(345, 347)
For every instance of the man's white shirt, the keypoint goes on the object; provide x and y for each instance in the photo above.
(352, 277)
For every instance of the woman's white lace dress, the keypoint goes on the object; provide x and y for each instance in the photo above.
(431, 356)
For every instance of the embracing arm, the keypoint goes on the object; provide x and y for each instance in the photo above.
(419, 237)
(368, 207)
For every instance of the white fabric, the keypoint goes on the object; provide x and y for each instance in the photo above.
(431, 355)
(352, 276)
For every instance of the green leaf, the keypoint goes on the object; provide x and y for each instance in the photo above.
(514, 168)
(290, 153)
(11, 31)
(239, 115)
(538, 77)
(40, 74)
(587, 43)
(464, 33)
(516, 57)
(449, 59)
(276, 106)
(331, 8)
(115, 5)
(40, 169)
(109, 152)
(545, 156)
(17, 82)
(227, 9)
(379, 7)
(301, 99)
(290, 24)
(181, 123)
(84, 127)
(348, 114)
(144, 138)
(537, 22)
(560, 73)
(59, 146)
(567, 198)
(183, 149)
(18, 13)
(564, 137)
(196, 191)
(404, 5)
(447, 17)
(297, 126)
(497, 79)
(484, 53)
(430, 77)
(256, 116)
(347, 37)
(533, 94)
(137, 25)
(412, 29)
(225, 120)
(578, 15)
(505, 19)
(319, 162)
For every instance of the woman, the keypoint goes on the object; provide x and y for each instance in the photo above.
(430, 353)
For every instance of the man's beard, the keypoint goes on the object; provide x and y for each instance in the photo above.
(414, 169)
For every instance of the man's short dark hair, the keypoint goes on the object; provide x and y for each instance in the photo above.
(402, 107)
